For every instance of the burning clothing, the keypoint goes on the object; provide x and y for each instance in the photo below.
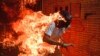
(56, 29)
(53, 31)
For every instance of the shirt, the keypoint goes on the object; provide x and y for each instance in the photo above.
(54, 32)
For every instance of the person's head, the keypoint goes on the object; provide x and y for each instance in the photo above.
(67, 19)
(66, 15)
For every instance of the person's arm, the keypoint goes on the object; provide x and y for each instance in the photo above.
(47, 39)
(47, 35)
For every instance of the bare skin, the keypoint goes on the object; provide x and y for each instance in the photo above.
(47, 39)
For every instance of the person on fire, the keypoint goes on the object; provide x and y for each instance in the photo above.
(54, 32)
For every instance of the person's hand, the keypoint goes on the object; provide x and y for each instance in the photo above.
(66, 45)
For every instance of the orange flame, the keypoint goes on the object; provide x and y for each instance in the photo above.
(33, 26)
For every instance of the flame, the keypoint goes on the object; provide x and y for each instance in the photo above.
(33, 25)
(31, 28)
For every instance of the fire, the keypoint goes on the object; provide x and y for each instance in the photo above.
(33, 25)
(31, 28)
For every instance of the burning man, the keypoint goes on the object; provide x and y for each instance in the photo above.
(56, 29)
